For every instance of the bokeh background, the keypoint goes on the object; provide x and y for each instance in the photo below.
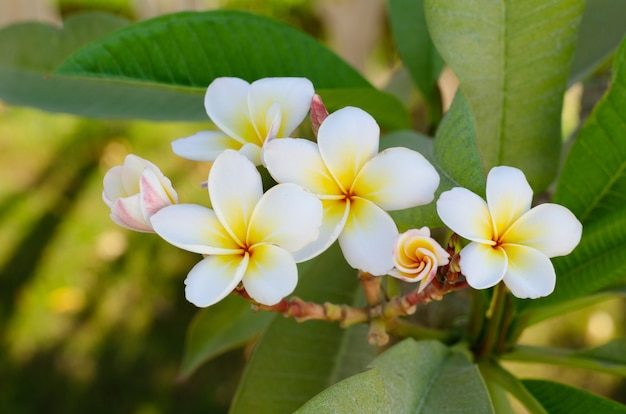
(93, 317)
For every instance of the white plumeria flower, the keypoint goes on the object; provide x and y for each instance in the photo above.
(417, 256)
(135, 191)
(509, 240)
(247, 115)
(248, 237)
(356, 184)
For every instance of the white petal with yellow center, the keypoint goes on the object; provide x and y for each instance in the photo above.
(271, 275)
(287, 216)
(347, 139)
(530, 273)
(226, 103)
(235, 188)
(214, 278)
(466, 214)
(549, 228)
(483, 266)
(367, 237)
(194, 228)
(508, 195)
(397, 178)
(293, 160)
(204, 146)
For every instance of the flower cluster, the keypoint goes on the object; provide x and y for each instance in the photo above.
(338, 188)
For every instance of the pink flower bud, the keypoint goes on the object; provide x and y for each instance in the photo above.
(417, 256)
(135, 191)
(318, 113)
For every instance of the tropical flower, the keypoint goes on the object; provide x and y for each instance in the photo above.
(509, 240)
(356, 184)
(248, 237)
(247, 115)
(135, 191)
(417, 256)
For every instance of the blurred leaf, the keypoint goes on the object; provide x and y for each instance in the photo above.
(160, 68)
(294, 361)
(411, 376)
(29, 52)
(416, 49)
(512, 59)
(455, 156)
(601, 30)
(222, 327)
(592, 185)
(560, 398)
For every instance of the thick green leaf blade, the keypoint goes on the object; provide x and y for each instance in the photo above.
(512, 58)
(222, 327)
(165, 64)
(413, 377)
(294, 361)
(593, 179)
(560, 398)
(416, 48)
(601, 30)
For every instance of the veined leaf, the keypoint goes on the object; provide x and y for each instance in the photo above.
(512, 58)
(560, 398)
(414, 377)
(160, 68)
(294, 361)
(222, 327)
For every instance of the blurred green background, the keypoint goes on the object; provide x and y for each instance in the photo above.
(93, 317)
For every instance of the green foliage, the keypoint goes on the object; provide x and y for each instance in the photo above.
(412, 377)
(559, 398)
(516, 106)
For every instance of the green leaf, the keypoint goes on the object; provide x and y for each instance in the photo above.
(593, 179)
(160, 68)
(454, 155)
(560, 398)
(29, 52)
(294, 361)
(222, 327)
(512, 58)
(601, 30)
(415, 47)
(415, 377)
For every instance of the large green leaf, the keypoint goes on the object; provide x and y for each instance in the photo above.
(454, 155)
(226, 325)
(160, 68)
(601, 30)
(512, 58)
(416, 49)
(559, 398)
(415, 377)
(294, 361)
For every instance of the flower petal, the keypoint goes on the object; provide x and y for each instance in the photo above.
(509, 196)
(335, 216)
(131, 171)
(127, 212)
(466, 214)
(235, 188)
(226, 103)
(367, 238)
(251, 152)
(287, 216)
(397, 178)
(194, 228)
(113, 188)
(347, 139)
(293, 96)
(530, 273)
(214, 278)
(156, 192)
(550, 228)
(204, 146)
(294, 160)
(272, 274)
(482, 265)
